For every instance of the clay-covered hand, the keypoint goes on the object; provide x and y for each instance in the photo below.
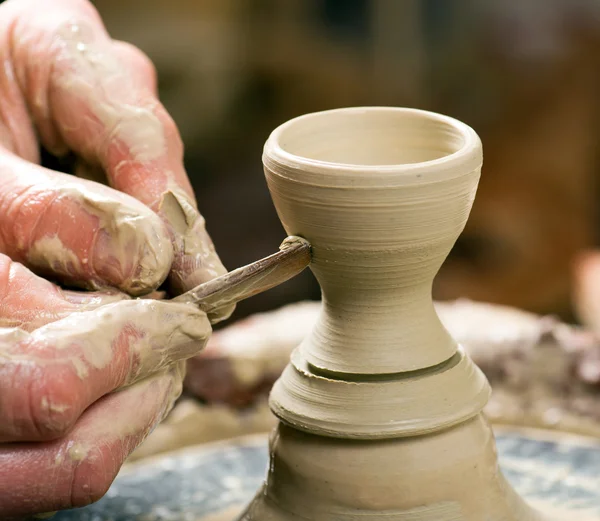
(84, 378)
(66, 85)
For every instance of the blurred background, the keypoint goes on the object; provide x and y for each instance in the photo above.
(525, 74)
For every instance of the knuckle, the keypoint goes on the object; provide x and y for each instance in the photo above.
(170, 128)
(142, 65)
(145, 64)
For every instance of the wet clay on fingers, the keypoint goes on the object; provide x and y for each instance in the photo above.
(380, 409)
(73, 89)
(67, 365)
(196, 260)
(81, 233)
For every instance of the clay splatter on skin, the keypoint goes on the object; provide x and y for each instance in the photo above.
(128, 134)
(155, 336)
(50, 251)
(77, 452)
(12, 335)
(95, 75)
(143, 134)
(133, 232)
(154, 346)
(165, 386)
(53, 407)
(65, 84)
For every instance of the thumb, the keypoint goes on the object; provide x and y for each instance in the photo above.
(80, 232)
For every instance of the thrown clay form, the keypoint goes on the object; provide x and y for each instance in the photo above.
(380, 408)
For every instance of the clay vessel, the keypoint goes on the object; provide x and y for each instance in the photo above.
(380, 409)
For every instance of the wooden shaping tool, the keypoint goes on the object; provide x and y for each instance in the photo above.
(293, 256)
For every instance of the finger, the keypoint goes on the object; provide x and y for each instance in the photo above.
(80, 468)
(88, 95)
(80, 232)
(50, 376)
(586, 289)
(29, 302)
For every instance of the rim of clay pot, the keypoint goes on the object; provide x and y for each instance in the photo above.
(449, 148)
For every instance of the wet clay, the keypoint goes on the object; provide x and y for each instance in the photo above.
(158, 330)
(429, 478)
(189, 225)
(380, 410)
(136, 134)
(138, 127)
(134, 231)
(154, 336)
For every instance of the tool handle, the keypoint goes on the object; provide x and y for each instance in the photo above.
(293, 256)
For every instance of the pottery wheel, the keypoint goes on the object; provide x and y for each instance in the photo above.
(558, 473)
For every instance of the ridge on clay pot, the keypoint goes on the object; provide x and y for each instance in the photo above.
(380, 409)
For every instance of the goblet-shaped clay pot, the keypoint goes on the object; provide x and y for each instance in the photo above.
(380, 408)
(381, 194)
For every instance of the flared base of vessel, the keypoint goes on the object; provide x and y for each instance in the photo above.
(452, 475)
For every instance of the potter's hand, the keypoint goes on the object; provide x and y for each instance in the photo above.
(78, 391)
(64, 432)
(66, 83)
